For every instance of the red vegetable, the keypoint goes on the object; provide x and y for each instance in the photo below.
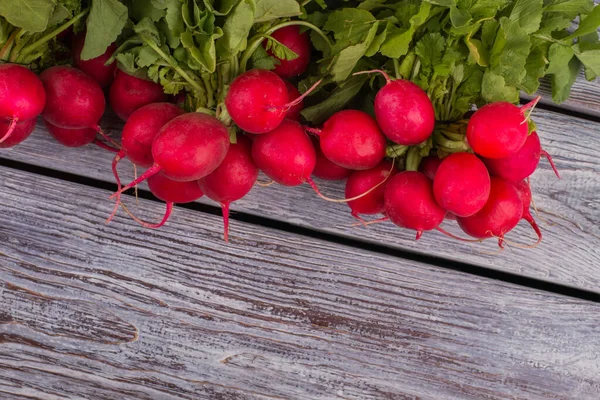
(103, 74)
(299, 43)
(128, 93)
(360, 182)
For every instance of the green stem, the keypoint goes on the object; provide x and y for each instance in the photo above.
(443, 141)
(396, 68)
(8, 45)
(416, 69)
(209, 92)
(47, 37)
(413, 159)
(395, 150)
(123, 46)
(454, 136)
(257, 39)
(172, 62)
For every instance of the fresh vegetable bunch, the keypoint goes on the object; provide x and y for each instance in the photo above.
(211, 93)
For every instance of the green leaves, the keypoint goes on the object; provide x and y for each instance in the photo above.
(268, 10)
(105, 22)
(31, 15)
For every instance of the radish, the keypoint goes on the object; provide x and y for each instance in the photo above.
(522, 164)
(409, 202)
(360, 182)
(326, 169)
(232, 180)
(21, 131)
(22, 96)
(299, 43)
(171, 192)
(462, 184)
(525, 194)
(429, 166)
(500, 214)
(498, 130)
(352, 139)
(257, 100)
(95, 67)
(293, 93)
(187, 148)
(403, 111)
(128, 93)
(75, 137)
(285, 154)
(74, 99)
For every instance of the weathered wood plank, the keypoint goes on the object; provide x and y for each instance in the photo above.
(584, 98)
(569, 253)
(115, 311)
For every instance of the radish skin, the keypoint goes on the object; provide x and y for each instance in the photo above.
(232, 179)
(409, 202)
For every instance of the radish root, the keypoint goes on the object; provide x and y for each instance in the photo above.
(11, 129)
(329, 199)
(168, 210)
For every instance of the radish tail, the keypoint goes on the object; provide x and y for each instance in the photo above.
(366, 223)
(11, 129)
(531, 105)
(153, 170)
(318, 192)
(314, 131)
(382, 72)
(299, 99)
(105, 136)
(453, 236)
(419, 234)
(104, 146)
(359, 218)
(115, 161)
(225, 211)
(168, 210)
(529, 218)
(549, 158)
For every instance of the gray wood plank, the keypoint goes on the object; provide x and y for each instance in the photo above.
(117, 312)
(569, 254)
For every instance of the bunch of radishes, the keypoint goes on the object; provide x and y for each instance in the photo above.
(191, 154)
(484, 188)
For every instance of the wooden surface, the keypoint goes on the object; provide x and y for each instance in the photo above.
(178, 314)
(569, 253)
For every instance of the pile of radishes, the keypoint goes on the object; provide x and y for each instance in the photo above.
(191, 154)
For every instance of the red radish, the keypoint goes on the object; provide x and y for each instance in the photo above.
(429, 166)
(360, 182)
(95, 67)
(285, 154)
(171, 192)
(403, 111)
(525, 194)
(74, 99)
(141, 128)
(462, 184)
(22, 96)
(299, 43)
(21, 131)
(352, 139)
(256, 101)
(128, 93)
(522, 164)
(294, 111)
(500, 214)
(409, 202)
(232, 180)
(498, 130)
(76, 137)
(326, 169)
(187, 148)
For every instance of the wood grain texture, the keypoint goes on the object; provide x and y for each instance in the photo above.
(93, 311)
(569, 254)
(584, 97)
